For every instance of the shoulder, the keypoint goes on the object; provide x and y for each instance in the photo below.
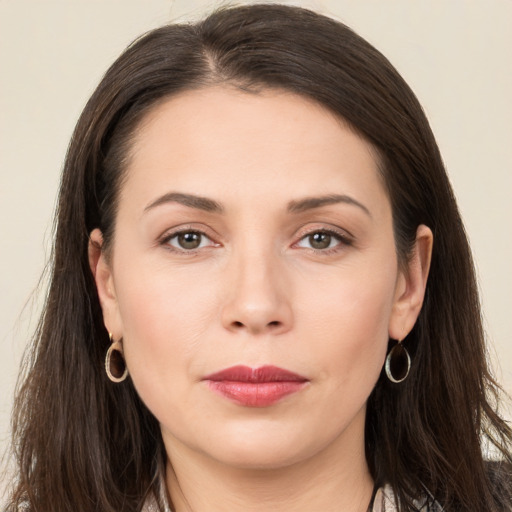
(385, 501)
(500, 478)
(151, 505)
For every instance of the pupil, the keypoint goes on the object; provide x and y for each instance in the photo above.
(189, 240)
(320, 240)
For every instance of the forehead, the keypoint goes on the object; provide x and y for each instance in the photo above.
(223, 141)
(264, 113)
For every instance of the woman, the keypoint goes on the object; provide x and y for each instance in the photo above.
(262, 294)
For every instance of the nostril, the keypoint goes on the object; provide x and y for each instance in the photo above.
(272, 325)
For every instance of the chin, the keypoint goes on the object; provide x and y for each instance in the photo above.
(261, 459)
(264, 448)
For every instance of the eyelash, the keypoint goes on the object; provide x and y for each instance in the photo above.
(165, 240)
(342, 238)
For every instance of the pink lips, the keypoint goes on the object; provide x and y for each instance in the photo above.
(255, 387)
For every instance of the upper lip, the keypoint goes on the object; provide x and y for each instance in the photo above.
(266, 373)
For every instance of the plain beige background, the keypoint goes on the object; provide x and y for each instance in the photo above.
(456, 55)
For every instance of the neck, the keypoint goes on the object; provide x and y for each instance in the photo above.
(334, 480)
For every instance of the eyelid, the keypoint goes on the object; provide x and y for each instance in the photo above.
(345, 238)
(186, 228)
(313, 227)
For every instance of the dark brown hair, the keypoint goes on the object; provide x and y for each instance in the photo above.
(85, 444)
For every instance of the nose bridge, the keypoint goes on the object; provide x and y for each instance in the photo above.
(258, 301)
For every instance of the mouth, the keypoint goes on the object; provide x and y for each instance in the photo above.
(255, 387)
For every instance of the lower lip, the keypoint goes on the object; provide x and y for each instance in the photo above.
(255, 394)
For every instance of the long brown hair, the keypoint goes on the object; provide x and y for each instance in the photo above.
(85, 444)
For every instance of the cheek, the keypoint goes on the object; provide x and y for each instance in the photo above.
(348, 319)
(155, 300)
(165, 316)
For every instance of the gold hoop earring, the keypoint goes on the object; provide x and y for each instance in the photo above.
(398, 363)
(115, 365)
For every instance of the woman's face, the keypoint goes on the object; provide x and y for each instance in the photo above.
(254, 231)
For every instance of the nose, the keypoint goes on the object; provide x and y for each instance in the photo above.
(258, 296)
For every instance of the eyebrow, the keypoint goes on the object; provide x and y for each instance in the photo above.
(310, 203)
(295, 206)
(192, 201)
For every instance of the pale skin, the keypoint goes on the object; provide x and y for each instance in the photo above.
(314, 287)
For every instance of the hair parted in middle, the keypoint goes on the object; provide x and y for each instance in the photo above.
(105, 444)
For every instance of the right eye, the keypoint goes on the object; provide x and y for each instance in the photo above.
(188, 240)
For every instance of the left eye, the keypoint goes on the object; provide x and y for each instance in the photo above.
(320, 240)
(189, 240)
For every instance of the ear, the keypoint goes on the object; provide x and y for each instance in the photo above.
(103, 276)
(410, 287)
